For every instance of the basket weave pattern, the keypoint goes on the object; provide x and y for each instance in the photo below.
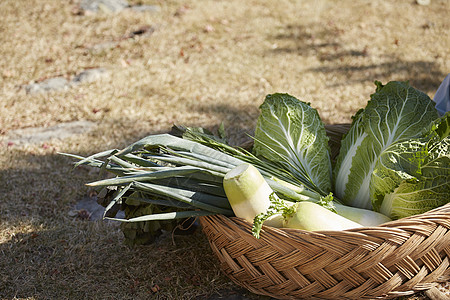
(395, 259)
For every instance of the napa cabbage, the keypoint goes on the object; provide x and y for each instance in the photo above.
(396, 111)
(413, 176)
(289, 132)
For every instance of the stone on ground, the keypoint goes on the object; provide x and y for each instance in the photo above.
(36, 135)
(51, 84)
(114, 6)
(89, 75)
(104, 5)
(146, 8)
(88, 208)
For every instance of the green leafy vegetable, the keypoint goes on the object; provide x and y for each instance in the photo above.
(162, 177)
(396, 111)
(276, 210)
(291, 133)
(412, 176)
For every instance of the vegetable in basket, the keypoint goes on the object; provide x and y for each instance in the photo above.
(179, 178)
(249, 193)
(362, 216)
(395, 112)
(183, 177)
(252, 199)
(413, 176)
(290, 133)
(312, 216)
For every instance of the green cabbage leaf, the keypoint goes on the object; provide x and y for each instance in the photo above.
(395, 111)
(289, 132)
(413, 176)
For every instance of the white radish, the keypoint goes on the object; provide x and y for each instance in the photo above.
(247, 191)
(311, 216)
(362, 216)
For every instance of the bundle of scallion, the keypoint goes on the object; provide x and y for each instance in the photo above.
(183, 177)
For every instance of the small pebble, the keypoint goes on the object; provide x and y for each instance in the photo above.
(51, 84)
(89, 75)
(36, 135)
(106, 6)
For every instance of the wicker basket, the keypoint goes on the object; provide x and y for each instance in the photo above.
(395, 259)
(398, 258)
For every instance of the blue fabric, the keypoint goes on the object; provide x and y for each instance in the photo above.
(442, 96)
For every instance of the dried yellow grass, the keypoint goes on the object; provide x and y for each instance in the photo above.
(206, 62)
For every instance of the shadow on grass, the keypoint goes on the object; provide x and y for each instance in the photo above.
(324, 43)
(423, 75)
(83, 260)
(307, 40)
(46, 253)
(239, 122)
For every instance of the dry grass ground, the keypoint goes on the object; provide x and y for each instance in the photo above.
(206, 62)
